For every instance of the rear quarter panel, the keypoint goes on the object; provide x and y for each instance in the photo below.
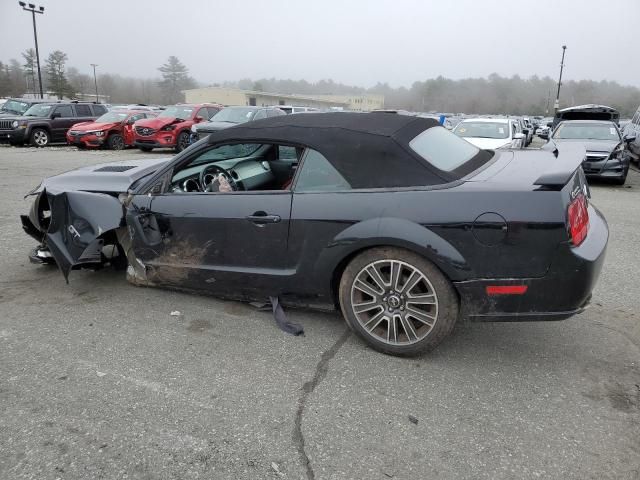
(326, 228)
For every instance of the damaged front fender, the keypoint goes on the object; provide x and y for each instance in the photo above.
(78, 222)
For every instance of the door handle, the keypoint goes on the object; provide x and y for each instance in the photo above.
(262, 218)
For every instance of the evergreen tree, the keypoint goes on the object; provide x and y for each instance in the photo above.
(30, 69)
(175, 78)
(57, 80)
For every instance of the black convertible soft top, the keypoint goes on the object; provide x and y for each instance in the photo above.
(371, 150)
(384, 124)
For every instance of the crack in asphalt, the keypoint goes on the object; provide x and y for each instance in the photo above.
(307, 390)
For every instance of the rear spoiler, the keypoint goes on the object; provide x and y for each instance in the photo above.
(569, 159)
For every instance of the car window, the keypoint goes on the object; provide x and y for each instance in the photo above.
(136, 117)
(65, 111)
(587, 131)
(260, 114)
(99, 110)
(287, 153)
(442, 149)
(204, 113)
(318, 175)
(225, 152)
(275, 112)
(83, 110)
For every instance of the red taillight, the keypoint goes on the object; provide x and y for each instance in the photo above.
(578, 215)
(506, 289)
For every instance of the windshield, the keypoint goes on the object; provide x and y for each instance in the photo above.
(587, 131)
(14, 106)
(38, 111)
(177, 111)
(233, 115)
(227, 152)
(443, 150)
(112, 117)
(482, 130)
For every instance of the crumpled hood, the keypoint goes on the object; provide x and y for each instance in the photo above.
(489, 143)
(113, 177)
(591, 145)
(156, 123)
(89, 126)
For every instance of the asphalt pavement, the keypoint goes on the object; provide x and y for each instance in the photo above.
(99, 381)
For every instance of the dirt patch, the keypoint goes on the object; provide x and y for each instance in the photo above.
(198, 325)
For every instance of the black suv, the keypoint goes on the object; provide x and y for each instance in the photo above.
(46, 123)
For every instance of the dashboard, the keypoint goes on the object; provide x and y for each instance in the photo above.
(248, 174)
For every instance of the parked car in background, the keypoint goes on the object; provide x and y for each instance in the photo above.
(606, 156)
(586, 112)
(230, 116)
(355, 219)
(46, 123)
(18, 106)
(543, 131)
(135, 106)
(113, 130)
(490, 133)
(289, 109)
(172, 127)
(632, 130)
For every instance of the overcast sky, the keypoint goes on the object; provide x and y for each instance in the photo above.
(351, 41)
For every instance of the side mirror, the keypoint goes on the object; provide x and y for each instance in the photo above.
(199, 119)
(630, 138)
(56, 115)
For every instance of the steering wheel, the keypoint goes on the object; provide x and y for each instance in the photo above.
(210, 172)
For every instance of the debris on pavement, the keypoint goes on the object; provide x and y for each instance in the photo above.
(413, 419)
(175, 313)
(281, 319)
(276, 469)
(100, 374)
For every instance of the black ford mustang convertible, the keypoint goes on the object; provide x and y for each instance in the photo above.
(402, 225)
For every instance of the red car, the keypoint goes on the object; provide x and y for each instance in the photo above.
(113, 130)
(172, 128)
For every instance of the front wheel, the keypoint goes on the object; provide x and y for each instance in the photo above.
(115, 142)
(183, 141)
(397, 301)
(40, 137)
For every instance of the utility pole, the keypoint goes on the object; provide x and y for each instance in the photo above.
(95, 81)
(557, 104)
(32, 9)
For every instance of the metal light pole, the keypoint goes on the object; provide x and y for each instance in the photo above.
(557, 104)
(32, 9)
(95, 81)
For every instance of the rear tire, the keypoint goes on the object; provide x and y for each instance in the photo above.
(407, 308)
(115, 142)
(40, 137)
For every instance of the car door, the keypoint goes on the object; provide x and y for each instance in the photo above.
(232, 244)
(127, 127)
(62, 118)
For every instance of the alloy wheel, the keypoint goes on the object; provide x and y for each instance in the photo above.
(40, 138)
(183, 141)
(117, 143)
(394, 302)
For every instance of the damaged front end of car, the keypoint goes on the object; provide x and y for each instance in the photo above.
(75, 229)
